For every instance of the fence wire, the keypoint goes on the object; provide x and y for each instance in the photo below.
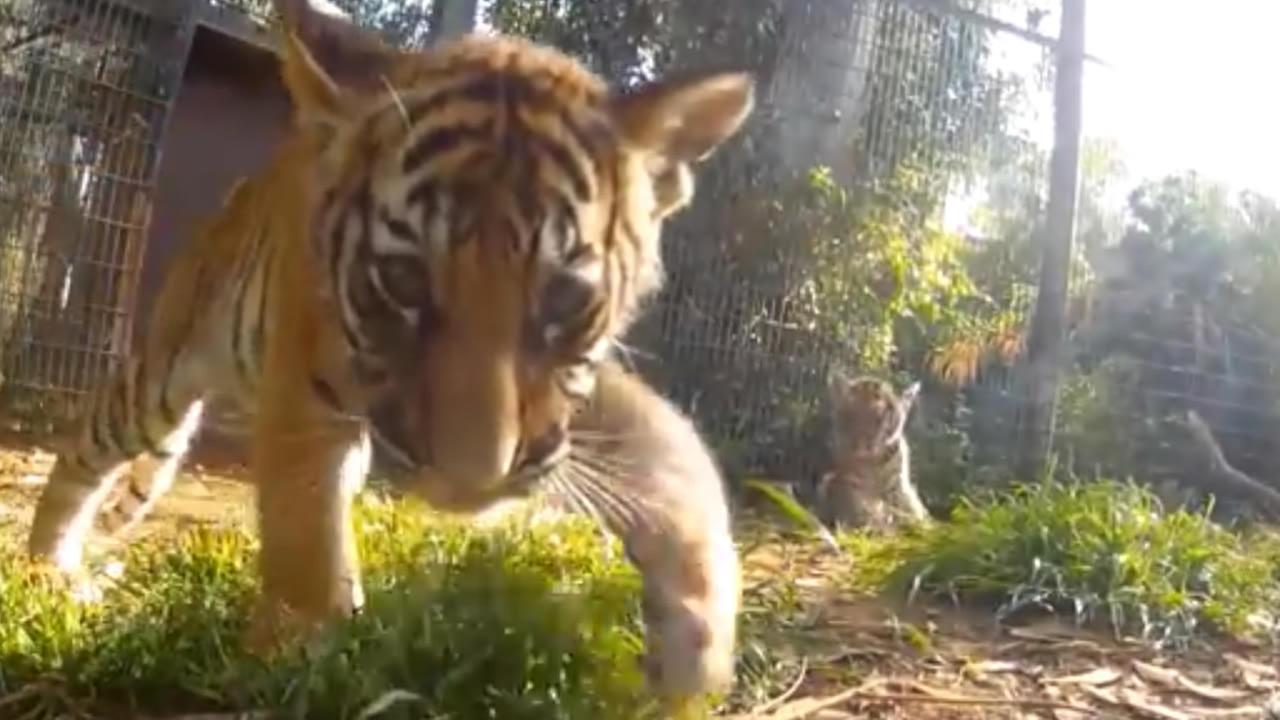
(888, 94)
(84, 90)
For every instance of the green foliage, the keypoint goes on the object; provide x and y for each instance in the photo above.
(1098, 550)
(1101, 438)
(941, 110)
(1193, 241)
(403, 23)
(519, 622)
(1186, 298)
(886, 277)
(616, 39)
(795, 513)
(947, 461)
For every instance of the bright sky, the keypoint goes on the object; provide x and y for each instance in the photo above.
(1196, 84)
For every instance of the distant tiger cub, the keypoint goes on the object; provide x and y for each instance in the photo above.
(438, 258)
(870, 486)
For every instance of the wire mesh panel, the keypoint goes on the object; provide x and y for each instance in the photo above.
(916, 115)
(85, 87)
(259, 11)
(1175, 378)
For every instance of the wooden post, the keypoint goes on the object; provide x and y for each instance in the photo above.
(1046, 346)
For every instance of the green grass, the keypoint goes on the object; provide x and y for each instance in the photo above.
(517, 622)
(1098, 551)
(537, 622)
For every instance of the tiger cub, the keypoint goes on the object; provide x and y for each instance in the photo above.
(870, 486)
(437, 259)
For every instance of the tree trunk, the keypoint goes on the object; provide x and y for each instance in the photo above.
(819, 92)
(451, 18)
(1045, 348)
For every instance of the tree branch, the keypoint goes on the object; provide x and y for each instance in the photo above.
(1222, 475)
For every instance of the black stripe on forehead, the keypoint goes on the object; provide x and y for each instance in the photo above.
(581, 135)
(576, 146)
(482, 89)
(441, 139)
(492, 88)
(561, 157)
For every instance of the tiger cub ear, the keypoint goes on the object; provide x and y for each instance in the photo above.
(678, 122)
(325, 53)
(838, 384)
(685, 120)
(313, 92)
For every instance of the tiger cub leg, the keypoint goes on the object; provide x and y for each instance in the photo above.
(307, 473)
(136, 415)
(642, 468)
(147, 480)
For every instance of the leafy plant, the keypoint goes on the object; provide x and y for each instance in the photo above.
(520, 622)
(886, 278)
(795, 513)
(1096, 550)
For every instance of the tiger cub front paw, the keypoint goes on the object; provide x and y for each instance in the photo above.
(275, 625)
(684, 658)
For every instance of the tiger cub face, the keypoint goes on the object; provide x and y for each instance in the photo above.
(868, 417)
(486, 215)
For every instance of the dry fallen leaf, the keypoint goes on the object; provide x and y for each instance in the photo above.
(1176, 680)
(1251, 711)
(1094, 678)
(1106, 695)
(1210, 692)
(1122, 697)
(1167, 677)
(1254, 667)
(992, 667)
(1255, 676)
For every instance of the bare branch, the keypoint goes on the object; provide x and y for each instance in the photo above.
(1222, 475)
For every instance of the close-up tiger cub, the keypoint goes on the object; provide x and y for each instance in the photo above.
(438, 258)
(870, 485)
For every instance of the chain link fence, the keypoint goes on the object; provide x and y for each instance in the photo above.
(933, 126)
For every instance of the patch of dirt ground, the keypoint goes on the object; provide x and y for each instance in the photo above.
(870, 658)
(211, 491)
(862, 657)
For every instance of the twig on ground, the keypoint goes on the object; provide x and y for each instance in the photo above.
(924, 694)
(768, 706)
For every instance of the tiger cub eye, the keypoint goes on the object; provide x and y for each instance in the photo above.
(405, 280)
(566, 297)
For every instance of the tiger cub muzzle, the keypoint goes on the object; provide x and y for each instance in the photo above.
(475, 426)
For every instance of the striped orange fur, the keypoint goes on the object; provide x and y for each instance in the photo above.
(436, 261)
